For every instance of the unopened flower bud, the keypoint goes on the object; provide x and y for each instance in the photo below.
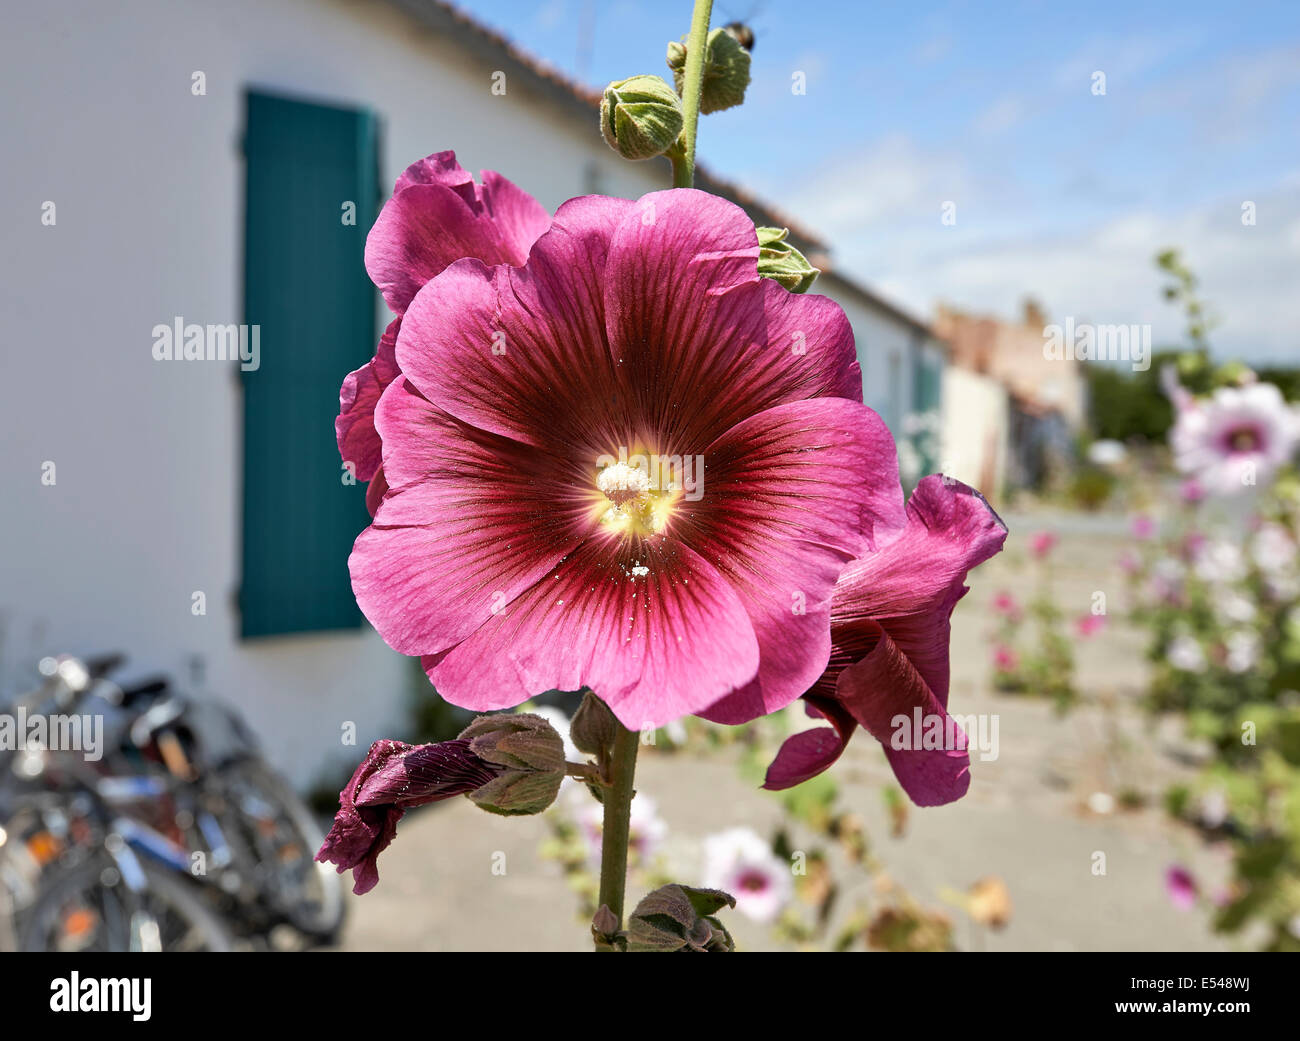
(680, 918)
(780, 261)
(640, 117)
(593, 727)
(530, 756)
(726, 71)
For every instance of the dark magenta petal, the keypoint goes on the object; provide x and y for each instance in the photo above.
(394, 777)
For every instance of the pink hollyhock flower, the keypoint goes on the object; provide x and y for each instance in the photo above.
(437, 215)
(1090, 624)
(890, 623)
(1005, 659)
(1181, 887)
(1143, 527)
(1236, 439)
(1006, 605)
(393, 778)
(1191, 491)
(1129, 563)
(522, 546)
(1042, 544)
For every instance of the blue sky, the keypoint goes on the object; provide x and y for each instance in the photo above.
(1059, 193)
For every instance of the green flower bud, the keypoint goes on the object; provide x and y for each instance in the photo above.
(780, 261)
(531, 757)
(726, 70)
(680, 918)
(593, 727)
(640, 117)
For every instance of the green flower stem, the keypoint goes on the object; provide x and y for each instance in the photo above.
(697, 43)
(618, 811)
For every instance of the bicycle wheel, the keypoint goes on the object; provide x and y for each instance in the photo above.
(284, 837)
(89, 908)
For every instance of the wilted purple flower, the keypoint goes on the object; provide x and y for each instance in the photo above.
(393, 778)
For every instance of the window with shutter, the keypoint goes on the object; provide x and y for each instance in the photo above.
(311, 192)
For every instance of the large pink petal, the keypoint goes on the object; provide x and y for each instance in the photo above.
(911, 585)
(355, 426)
(464, 528)
(884, 692)
(522, 352)
(432, 222)
(805, 755)
(701, 340)
(654, 644)
(790, 496)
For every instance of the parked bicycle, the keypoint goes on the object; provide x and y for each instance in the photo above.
(178, 836)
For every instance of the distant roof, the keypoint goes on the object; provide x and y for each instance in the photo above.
(481, 42)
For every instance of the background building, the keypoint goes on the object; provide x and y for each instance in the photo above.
(201, 160)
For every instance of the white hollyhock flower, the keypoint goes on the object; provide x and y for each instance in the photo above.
(1185, 654)
(740, 862)
(1235, 439)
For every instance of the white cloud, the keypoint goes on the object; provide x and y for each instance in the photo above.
(880, 212)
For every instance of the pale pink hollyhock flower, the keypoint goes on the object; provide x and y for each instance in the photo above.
(437, 215)
(1006, 605)
(1185, 654)
(1090, 624)
(740, 862)
(646, 829)
(1181, 887)
(1236, 439)
(890, 624)
(1191, 491)
(516, 551)
(1042, 544)
(1005, 659)
(1143, 527)
(1130, 563)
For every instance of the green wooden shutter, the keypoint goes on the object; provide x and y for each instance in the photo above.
(305, 285)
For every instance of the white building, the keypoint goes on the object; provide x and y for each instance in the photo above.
(137, 168)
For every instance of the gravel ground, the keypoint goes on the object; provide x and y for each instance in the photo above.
(459, 879)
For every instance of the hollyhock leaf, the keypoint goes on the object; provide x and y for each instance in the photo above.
(525, 356)
(454, 503)
(683, 636)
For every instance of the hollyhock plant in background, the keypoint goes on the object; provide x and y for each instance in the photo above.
(1235, 440)
(619, 451)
